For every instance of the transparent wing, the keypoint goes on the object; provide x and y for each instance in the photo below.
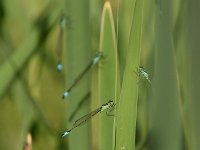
(85, 118)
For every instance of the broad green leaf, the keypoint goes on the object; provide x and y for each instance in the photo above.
(108, 74)
(193, 36)
(164, 116)
(127, 105)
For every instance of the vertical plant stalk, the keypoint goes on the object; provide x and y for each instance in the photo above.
(193, 23)
(124, 23)
(181, 42)
(108, 74)
(127, 105)
(165, 125)
(75, 58)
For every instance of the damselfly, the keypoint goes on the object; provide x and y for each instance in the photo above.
(143, 74)
(64, 21)
(93, 62)
(109, 106)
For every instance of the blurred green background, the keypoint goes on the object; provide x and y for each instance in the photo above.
(162, 36)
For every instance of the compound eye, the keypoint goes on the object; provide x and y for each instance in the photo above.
(110, 101)
(141, 67)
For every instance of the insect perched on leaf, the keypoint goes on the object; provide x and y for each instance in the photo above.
(90, 65)
(143, 74)
(109, 106)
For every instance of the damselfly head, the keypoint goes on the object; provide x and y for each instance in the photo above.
(65, 22)
(110, 102)
(107, 105)
(98, 54)
(62, 21)
(141, 67)
(64, 134)
(97, 57)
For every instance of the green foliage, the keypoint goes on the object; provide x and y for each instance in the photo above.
(127, 105)
(163, 121)
(108, 74)
(162, 36)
